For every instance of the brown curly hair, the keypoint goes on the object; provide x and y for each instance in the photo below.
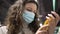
(15, 20)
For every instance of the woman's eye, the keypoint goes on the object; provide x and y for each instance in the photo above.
(29, 10)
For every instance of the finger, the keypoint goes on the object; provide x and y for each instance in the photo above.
(55, 14)
(52, 18)
(48, 18)
(50, 15)
(41, 32)
(43, 27)
(57, 17)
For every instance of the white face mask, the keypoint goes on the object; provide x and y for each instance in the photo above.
(28, 16)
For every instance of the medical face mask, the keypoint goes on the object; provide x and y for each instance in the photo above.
(28, 16)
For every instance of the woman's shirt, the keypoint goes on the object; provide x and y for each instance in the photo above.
(26, 30)
(3, 30)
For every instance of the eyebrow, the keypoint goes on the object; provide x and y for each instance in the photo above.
(30, 8)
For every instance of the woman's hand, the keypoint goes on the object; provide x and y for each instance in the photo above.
(52, 24)
(42, 30)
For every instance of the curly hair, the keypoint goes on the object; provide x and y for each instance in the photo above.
(15, 20)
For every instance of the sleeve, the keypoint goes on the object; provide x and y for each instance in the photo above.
(1, 31)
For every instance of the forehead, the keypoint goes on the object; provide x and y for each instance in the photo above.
(31, 5)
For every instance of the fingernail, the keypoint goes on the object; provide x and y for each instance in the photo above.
(52, 11)
(49, 14)
(46, 16)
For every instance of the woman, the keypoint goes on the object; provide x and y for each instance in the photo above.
(23, 19)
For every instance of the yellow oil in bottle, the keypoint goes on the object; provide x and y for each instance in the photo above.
(47, 22)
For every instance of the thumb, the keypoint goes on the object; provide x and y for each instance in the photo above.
(44, 27)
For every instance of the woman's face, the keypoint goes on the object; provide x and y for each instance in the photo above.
(31, 7)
